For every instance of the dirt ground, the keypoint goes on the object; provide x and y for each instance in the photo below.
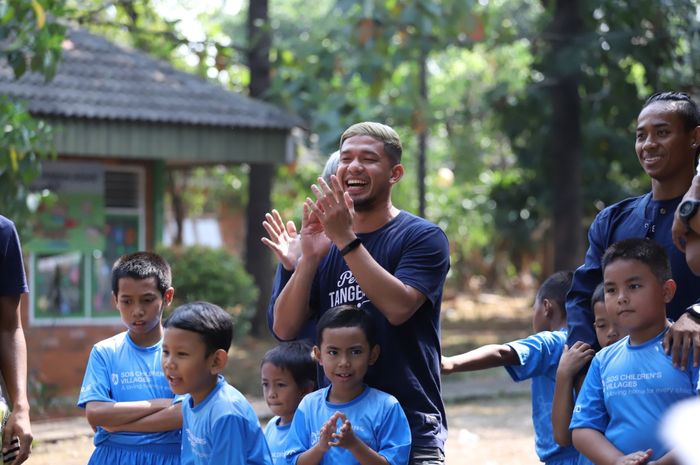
(488, 415)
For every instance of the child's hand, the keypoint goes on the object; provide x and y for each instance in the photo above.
(345, 437)
(325, 438)
(446, 365)
(574, 358)
(635, 458)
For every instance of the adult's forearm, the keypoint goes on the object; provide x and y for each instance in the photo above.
(13, 365)
(291, 309)
(13, 352)
(394, 299)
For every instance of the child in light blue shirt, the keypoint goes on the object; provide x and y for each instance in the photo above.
(288, 373)
(348, 422)
(219, 426)
(124, 393)
(632, 383)
(536, 357)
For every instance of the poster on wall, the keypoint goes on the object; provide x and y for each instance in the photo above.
(75, 220)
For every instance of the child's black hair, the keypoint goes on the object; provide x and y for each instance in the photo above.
(296, 358)
(210, 321)
(682, 103)
(598, 296)
(647, 251)
(555, 288)
(142, 265)
(347, 316)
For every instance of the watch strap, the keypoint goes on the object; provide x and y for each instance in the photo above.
(355, 243)
(694, 311)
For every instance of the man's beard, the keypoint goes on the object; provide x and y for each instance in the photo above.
(363, 204)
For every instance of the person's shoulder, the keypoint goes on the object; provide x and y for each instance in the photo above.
(111, 343)
(6, 222)
(408, 219)
(551, 338)
(377, 396)
(315, 397)
(231, 401)
(7, 228)
(613, 350)
(623, 206)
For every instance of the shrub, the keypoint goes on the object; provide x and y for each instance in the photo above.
(216, 276)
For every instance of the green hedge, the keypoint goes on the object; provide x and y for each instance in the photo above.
(216, 276)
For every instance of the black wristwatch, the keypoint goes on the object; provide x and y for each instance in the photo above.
(694, 311)
(687, 209)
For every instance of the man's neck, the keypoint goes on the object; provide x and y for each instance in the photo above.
(671, 188)
(370, 220)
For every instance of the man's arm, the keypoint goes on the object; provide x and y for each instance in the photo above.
(113, 414)
(679, 230)
(488, 356)
(166, 419)
(282, 277)
(579, 315)
(394, 299)
(291, 309)
(13, 366)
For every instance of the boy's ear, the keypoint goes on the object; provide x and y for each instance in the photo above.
(374, 354)
(218, 361)
(548, 307)
(316, 353)
(168, 297)
(114, 300)
(669, 290)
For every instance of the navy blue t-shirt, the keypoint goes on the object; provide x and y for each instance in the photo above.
(634, 217)
(12, 278)
(416, 252)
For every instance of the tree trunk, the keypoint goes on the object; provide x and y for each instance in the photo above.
(565, 158)
(422, 130)
(257, 258)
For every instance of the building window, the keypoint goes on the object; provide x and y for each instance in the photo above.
(74, 286)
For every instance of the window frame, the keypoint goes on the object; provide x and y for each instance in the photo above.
(89, 318)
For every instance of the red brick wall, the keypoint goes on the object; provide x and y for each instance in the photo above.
(57, 355)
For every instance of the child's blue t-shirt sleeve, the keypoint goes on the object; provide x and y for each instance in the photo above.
(395, 436)
(226, 450)
(96, 383)
(538, 354)
(298, 437)
(589, 409)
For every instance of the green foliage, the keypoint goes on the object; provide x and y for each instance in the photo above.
(216, 276)
(24, 142)
(31, 36)
(622, 56)
(134, 23)
(30, 40)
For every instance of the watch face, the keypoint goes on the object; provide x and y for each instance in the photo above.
(687, 208)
